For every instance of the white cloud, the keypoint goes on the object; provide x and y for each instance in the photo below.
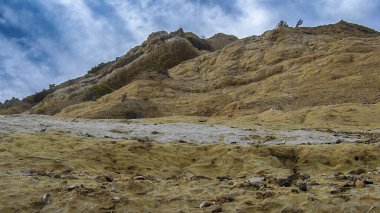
(20, 76)
(347, 9)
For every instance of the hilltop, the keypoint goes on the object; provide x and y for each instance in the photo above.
(326, 76)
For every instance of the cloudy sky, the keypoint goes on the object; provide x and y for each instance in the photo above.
(50, 41)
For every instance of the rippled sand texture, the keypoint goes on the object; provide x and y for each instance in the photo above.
(80, 173)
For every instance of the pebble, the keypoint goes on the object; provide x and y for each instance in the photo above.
(305, 176)
(357, 172)
(108, 178)
(141, 177)
(303, 186)
(71, 187)
(225, 198)
(67, 171)
(35, 180)
(57, 176)
(335, 191)
(296, 191)
(205, 204)
(28, 171)
(255, 180)
(285, 182)
(222, 178)
(368, 182)
(46, 198)
(143, 139)
(217, 209)
(258, 185)
(89, 135)
(116, 198)
(312, 198)
(155, 132)
(359, 184)
(263, 195)
(70, 177)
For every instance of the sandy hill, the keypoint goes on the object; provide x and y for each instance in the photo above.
(326, 76)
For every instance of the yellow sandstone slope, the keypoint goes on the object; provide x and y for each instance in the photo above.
(326, 76)
(321, 77)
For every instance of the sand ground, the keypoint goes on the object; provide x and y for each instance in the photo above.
(51, 169)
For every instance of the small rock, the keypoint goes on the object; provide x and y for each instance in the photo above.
(67, 171)
(41, 172)
(312, 198)
(205, 204)
(346, 198)
(263, 195)
(338, 141)
(202, 120)
(47, 198)
(285, 182)
(314, 183)
(222, 178)
(295, 191)
(70, 177)
(368, 182)
(89, 135)
(335, 191)
(35, 180)
(305, 176)
(357, 172)
(43, 130)
(71, 187)
(139, 178)
(143, 139)
(116, 198)
(57, 176)
(348, 184)
(254, 180)
(148, 177)
(303, 186)
(108, 178)
(225, 198)
(359, 184)
(28, 171)
(217, 209)
(155, 132)
(258, 185)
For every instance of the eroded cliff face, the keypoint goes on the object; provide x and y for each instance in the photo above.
(322, 76)
(149, 61)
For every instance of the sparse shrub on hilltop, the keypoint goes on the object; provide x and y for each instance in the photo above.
(299, 23)
(282, 24)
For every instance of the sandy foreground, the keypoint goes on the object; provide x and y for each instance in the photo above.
(73, 165)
